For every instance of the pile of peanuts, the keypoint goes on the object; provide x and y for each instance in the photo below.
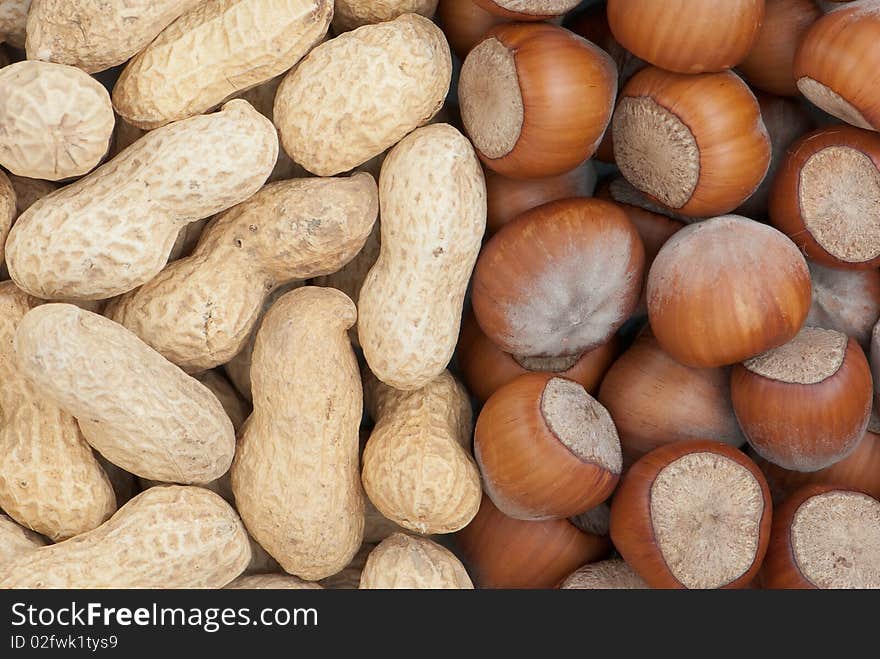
(405, 294)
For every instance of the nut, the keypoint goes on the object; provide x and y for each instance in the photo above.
(166, 537)
(49, 479)
(302, 438)
(368, 89)
(417, 467)
(351, 14)
(112, 231)
(214, 51)
(95, 35)
(433, 208)
(55, 121)
(405, 562)
(135, 407)
(199, 311)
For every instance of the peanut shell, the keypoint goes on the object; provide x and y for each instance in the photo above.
(112, 231)
(365, 90)
(212, 52)
(50, 481)
(199, 311)
(295, 475)
(166, 537)
(135, 407)
(432, 198)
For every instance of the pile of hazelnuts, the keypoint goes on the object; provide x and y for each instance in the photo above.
(673, 367)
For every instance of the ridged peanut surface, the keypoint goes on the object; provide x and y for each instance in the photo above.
(50, 480)
(272, 582)
(295, 475)
(405, 562)
(199, 311)
(417, 469)
(94, 35)
(13, 19)
(432, 199)
(166, 537)
(55, 121)
(350, 14)
(16, 540)
(134, 406)
(365, 90)
(113, 230)
(8, 209)
(217, 49)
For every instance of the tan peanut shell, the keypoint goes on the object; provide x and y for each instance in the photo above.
(351, 14)
(406, 562)
(432, 199)
(416, 467)
(360, 93)
(134, 406)
(13, 21)
(166, 537)
(295, 475)
(350, 277)
(126, 485)
(95, 35)
(199, 311)
(272, 582)
(236, 408)
(16, 540)
(50, 481)
(238, 369)
(112, 230)
(55, 120)
(8, 209)
(27, 191)
(212, 52)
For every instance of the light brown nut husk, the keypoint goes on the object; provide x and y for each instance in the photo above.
(134, 406)
(215, 51)
(94, 35)
(351, 14)
(405, 562)
(199, 311)
(364, 91)
(113, 230)
(237, 409)
(16, 540)
(166, 537)
(50, 480)
(432, 198)
(295, 475)
(55, 120)
(417, 468)
(272, 582)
